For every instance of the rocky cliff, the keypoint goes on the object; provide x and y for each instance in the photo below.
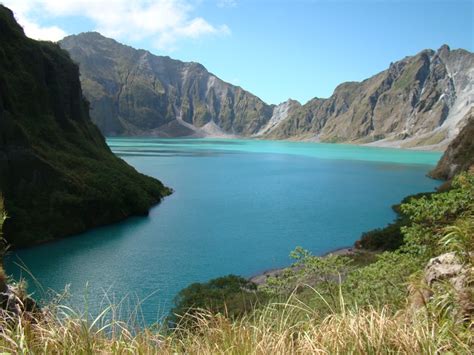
(419, 101)
(57, 174)
(460, 153)
(133, 92)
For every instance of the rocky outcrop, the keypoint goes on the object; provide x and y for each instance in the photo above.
(133, 92)
(280, 114)
(459, 156)
(448, 268)
(419, 101)
(57, 174)
(14, 302)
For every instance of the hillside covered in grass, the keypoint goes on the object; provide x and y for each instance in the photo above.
(57, 174)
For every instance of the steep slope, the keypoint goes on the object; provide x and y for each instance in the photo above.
(419, 101)
(133, 92)
(460, 153)
(57, 174)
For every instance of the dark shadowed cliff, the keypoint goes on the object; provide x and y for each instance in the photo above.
(56, 172)
(460, 153)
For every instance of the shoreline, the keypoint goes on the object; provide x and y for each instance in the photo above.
(261, 278)
(375, 144)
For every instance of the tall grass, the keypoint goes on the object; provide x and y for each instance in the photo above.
(281, 328)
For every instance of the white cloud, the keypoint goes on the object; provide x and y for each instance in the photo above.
(33, 30)
(48, 33)
(165, 22)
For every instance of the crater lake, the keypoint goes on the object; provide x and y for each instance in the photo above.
(238, 207)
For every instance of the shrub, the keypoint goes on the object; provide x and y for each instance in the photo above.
(230, 295)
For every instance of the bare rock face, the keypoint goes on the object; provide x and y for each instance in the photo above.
(448, 268)
(418, 101)
(133, 92)
(445, 267)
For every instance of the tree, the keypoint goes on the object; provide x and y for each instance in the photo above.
(231, 295)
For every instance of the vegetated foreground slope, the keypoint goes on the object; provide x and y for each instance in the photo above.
(57, 174)
(419, 101)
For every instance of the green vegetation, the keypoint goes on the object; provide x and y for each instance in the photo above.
(231, 295)
(386, 238)
(3, 218)
(408, 76)
(391, 236)
(57, 175)
(434, 224)
(3, 215)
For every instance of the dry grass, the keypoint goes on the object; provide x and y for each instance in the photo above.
(288, 328)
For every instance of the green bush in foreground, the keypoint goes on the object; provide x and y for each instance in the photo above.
(230, 295)
(389, 238)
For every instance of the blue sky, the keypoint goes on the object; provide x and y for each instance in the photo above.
(275, 49)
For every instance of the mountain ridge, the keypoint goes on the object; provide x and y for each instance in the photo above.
(414, 99)
(172, 93)
(418, 102)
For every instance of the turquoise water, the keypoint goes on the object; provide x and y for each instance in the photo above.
(238, 207)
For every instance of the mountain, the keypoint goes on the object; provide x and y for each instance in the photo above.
(57, 174)
(418, 101)
(133, 92)
(460, 153)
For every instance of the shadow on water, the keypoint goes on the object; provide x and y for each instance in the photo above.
(170, 153)
(112, 141)
(33, 263)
